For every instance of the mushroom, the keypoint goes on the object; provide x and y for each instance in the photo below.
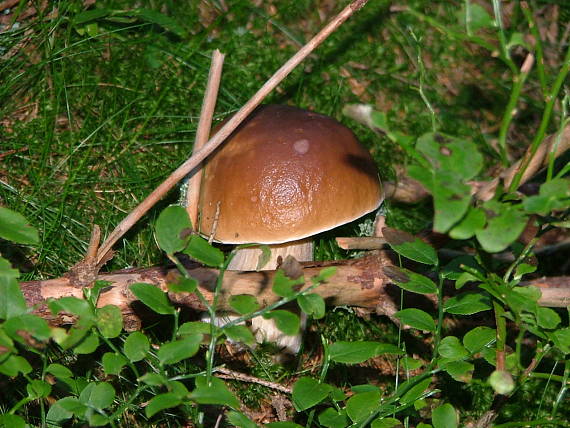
(285, 175)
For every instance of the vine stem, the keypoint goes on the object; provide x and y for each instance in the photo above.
(197, 158)
(501, 335)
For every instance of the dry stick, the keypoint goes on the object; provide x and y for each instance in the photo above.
(487, 190)
(227, 129)
(203, 132)
(224, 373)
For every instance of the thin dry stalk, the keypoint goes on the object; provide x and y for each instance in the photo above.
(228, 128)
(224, 373)
(559, 143)
(203, 132)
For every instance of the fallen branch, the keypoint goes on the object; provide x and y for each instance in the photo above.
(358, 282)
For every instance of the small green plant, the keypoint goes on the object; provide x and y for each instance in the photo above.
(104, 124)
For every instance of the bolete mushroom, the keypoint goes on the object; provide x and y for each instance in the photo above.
(285, 175)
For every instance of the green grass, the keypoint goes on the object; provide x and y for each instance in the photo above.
(97, 120)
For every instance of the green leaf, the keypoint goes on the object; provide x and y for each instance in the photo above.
(410, 281)
(461, 371)
(243, 303)
(385, 423)
(109, 321)
(410, 247)
(505, 223)
(12, 421)
(88, 344)
(14, 227)
(92, 293)
(12, 302)
(410, 363)
(173, 228)
(479, 338)
(360, 406)
(451, 348)
(330, 418)
(357, 352)
(308, 392)
(453, 161)
(547, 318)
(98, 395)
(447, 153)
(444, 416)
(240, 420)
(15, 364)
(90, 15)
(553, 195)
(183, 285)
(38, 389)
(59, 371)
(199, 249)
(451, 201)
(154, 379)
(264, 257)
(474, 220)
(215, 393)
(58, 413)
(467, 304)
(312, 304)
(239, 333)
(561, 339)
(6, 344)
(475, 16)
(415, 392)
(173, 352)
(522, 298)
(286, 321)
(161, 402)
(193, 327)
(153, 297)
(18, 326)
(73, 405)
(416, 318)
(70, 338)
(155, 17)
(74, 306)
(96, 419)
(113, 363)
(283, 285)
(136, 346)
(366, 387)
(523, 269)
(324, 274)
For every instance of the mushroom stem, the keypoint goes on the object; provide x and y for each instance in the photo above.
(248, 258)
(266, 330)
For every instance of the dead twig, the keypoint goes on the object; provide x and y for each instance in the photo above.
(557, 143)
(203, 132)
(228, 128)
(224, 373)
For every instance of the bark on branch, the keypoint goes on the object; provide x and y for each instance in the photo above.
(358, 282)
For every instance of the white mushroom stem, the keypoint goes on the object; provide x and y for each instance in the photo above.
(247, 259)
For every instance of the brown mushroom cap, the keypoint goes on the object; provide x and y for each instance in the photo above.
(286, 174)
